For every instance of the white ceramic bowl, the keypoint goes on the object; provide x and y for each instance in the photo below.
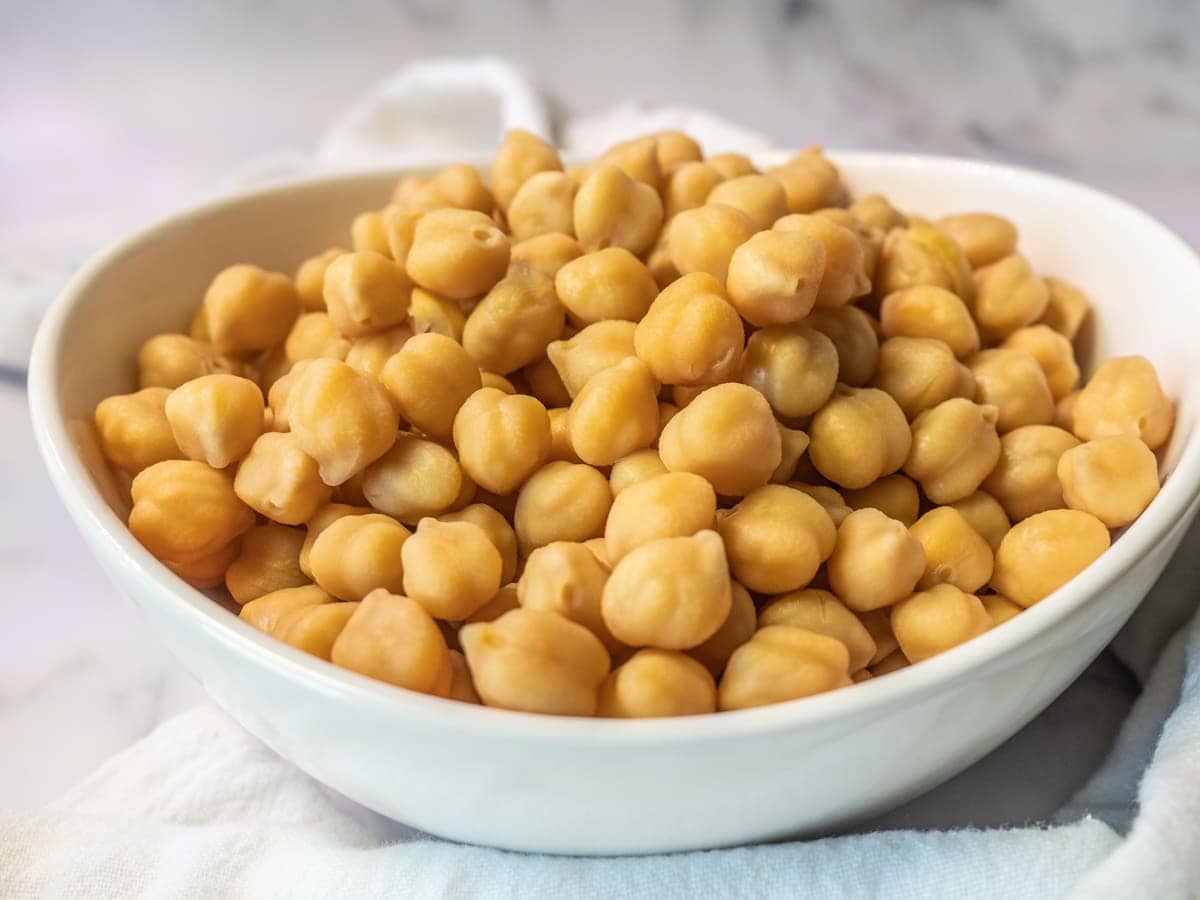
(584, 786)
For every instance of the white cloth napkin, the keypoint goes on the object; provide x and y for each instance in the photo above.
(200, 808)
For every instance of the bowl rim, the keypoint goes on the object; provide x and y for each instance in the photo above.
(121, 551)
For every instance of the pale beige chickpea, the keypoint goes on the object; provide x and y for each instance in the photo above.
(879, 625)
(400, 227)
(462, 687)
(688, 187)
(607, 284)
(1124, 396)
(985, 238)
(739, 626)
(368, 235)
(954, 447)
(1025, 478)
(184, 510)
(875, 562)
(543, 382)
(499, 382)
(280, 481)
(566, 578)
(279, 396)
(999, 608)
(774, 277)
(876, 211)
(920, 373)
(355, 554)
(921, 254)
(1064, 411)
(859, 436)
(728, 436)
(450, 568)
(792, 444)
(314, 629)
(520, 156)
(853, 334)
(457, 253)
(1067, 307)
(430, 377)
(458, 185)
(498, 530)
(1113, 478)
(676, 148)
(638, 466)
(672, 593)
(207, 571)
(1013, 382)
(869, 238)
(414, 479)
(535, 661)
(341, 417)
(369, 354)
(691, 334)
(834, 504)
(590, 350)
(560, 437)
(657, 683)
(780, 663)
(392, 638)
(543, 204)
(310, 278)
(845, 273)
(1008, 296)
(429, 313)
(896, 496)
(216, 418)
(265, 612)
(613, 210)
(1052, 351)
(561, 501)
(547, 253)
(822, 613)
(512, 326)
(955, 553)
(615, 413)
(795, 367)
(247, 309)
(675, 504)
(267, 560)
(760, 197)
(732, 165)
(1042, 553)
(322, 519)
(927, 311)
(984, 513)
(776, 538)
(501, 438)
(704, 239)
(936, 619)
(169, 360)
(811, 181)
(314, 335)
(636, 157)
(134, 431)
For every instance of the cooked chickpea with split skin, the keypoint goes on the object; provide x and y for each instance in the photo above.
(534, 439)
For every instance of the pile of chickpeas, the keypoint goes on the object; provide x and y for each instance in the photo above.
(661, 435)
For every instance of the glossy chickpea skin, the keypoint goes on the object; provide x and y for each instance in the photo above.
(457, 253)
(566, 578)
(984, 513)
(1008, 296)
(169, 360)
(821, 612)
(1053, 353)
(450, 568)
(265, 612)
(845, 273)
(592, 349)
(1012, 381)
(615, 414)
(512, 326)
(521, 155)
(366, 292)
(1124, 396)
(355, 554)
(637, 158)
(875, 561)
(268, 560)
(1042, 553)
(393, 639)
(280, 481)
(853, 334)
(657, 683)
(501, 438)
(704, 239)
(247, 309)
(926, 311)
(1113, 478)
(134, 430)
(314, 629)
(498, 530)
(860, 435)
(319, 521)
(954, 448)
(414, 479)
(896, 496)
(793, 366)
(921, 254)
(608, 284)
(561, 501)
(1067, 307)
(760, 197)
(430, 378)
(782, 662)
(675, 504)
(936, 619)
(638, 466)
(920, 373)
(310, 278)
(955, 553)
(985, 238)
(691, 335)
(216, 418)
(739, 627)
(776, 538)
(184, 510)
(999, 609)
(613, 210)
(774, 277)
(792, 444)
(542, 205)
(1025, 479)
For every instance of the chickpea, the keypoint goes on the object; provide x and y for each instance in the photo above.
(393, 639)
(521, 155)
(1025, 479)
(792, 444)
(368, 235)
(615, 413)
(460, 186)
(860, 435)
(134, 430)
(739, 627)
(896, 496)
(984, 238)
(429, 313)
(341, 418)
(676, 504)
(542, 205)
(853, 334)
(926, 311)
(999, 609)
(458, 253)
(637, 158)
(560, 437)
(954, 447)
(656, 683)
(1053, 354)
(1124, 396)
(893, 662)
(514, 323)
(543, 382)
(502, 601)
(878, 623)
(1113, 478)
(561, 501)
(370, 353)
(216, 418)
(845, 274)
(810, 181)
(921, 254)
(462, 688)
(319, 521)
(672, 593)
(637, 467)
(314, 335)
(1064, 411)
(1008, 296)
(1042, 553)
(934, 620)
(920, 373)
(430, 378)
(732, 165)
(1067, 307)
(728, 436)
(875, 562)
(547, 253)
(247, 309)
(280, 481)
(536, 661)
(184, 510)
(876, 211)
(608, 284)
(614, 210)
(955, 553)
(310, 279)
(691, 335)
(169, 360)
(822, 613)
(793, 366)
(780, 663)
(984, 513)
(688, 187)
(774, 277)
(265, 612)
(315, 628)
(451, 568)
(501, 439)
(704, 239)
(499, 382)
(776, 538)
(498, 530)
(1013, 382)
(760, 197)
(566, 578)
(675, 148)
(414, 479)
(355, 554)
(267, 560)
(593, 349)
(835, 507)
(207, 571)
(399, 228)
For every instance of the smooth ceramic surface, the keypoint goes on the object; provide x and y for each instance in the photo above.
(584, 786)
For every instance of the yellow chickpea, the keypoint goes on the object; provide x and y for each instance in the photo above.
(933, 621)
(795, 367)
(1124, 396)
(760, 197)
(1042, 553)
(457, 253)
(657, 683)
(560, 437)
(393, 639)
(536, 661)
(314, 335)
(450, 568)
(566, 578)
(675, 148)
(639, 466)
(853, 334)
(780, 663)
(704, 239)
(607, 284)
(1064, 411)
(430, 378)
(366, 292)
(845, 273)
(314, 629)
(592, 349)
(1067, 307)
(265, 612)
(367, 233)
(498, 530)
(792, 444)
(876, 211)
(675, 504)
(207, 571)
(512, 326)
(462, 687)
(921, 254)
(614, 210)
(879, 625)
(920, 373)
(547, 253)
(728, 436)
(875, 562)
(832, 502)
(927, 311)
(984, 513)
(169, 360)
(691, 335)
(1013, 382)
(355, 554)
(732, 165)
(216, 418)
(688, 187)
(1025, 479)
(542, 381)
(542, 205)
(458, 185)
(985, 238)
(999, 609)
(247, 309)
(319, 521)
(954, 447)
(955, 553)
(399, 225)
(501, 439)
(774, 277)
(184, 510)
(739, 626)
(267, 560)
(810, 181)
(310, 278)
(615, 413)
(520, 156)
(1008, 296)
(1113, 478)
(776, 538)
(414, 479)
(430, 313)
(637, 158)
(1053, 353)
(860, 435)
(822, 613)
(280, 481)
(134, 430)
(561, 502)
(896, 496)
(369, 354)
